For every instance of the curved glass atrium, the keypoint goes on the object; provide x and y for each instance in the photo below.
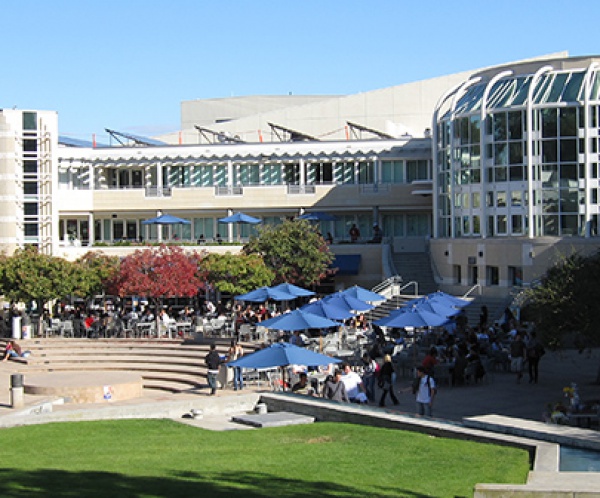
(488, 184)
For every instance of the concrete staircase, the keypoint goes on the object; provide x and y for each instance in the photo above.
(415, 267)
(164, 365)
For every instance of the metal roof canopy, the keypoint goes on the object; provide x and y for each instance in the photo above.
(76, 142)
(354, 127)
(218, 136)
(294, 136)
(139, 140)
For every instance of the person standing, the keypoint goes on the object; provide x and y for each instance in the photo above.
(235, 352)
(425, 389)
(534, 353)
(386, 380)
(517, 356)
(212, 360)
(370, 373)
(354, 233)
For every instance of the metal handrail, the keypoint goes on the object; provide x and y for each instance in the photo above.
(388, 282)
(472, 289)
(413, 282)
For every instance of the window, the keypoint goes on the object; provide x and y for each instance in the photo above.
(492, 275)
(392, 172)
(515, 275)
(417, 170)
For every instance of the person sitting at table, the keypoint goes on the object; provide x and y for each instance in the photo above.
(296, 339)
(334, 388)
(302, 387)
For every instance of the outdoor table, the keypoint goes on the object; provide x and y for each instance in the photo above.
(183, 328)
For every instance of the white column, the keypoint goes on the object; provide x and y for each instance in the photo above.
(587, 155)
(483, 136)
(530, 164)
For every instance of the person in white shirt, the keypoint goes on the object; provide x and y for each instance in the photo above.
(354, 386)
(425, 389)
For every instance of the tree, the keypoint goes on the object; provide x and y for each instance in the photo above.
(565, 303)
(295, 251)
(157, 273)
(97, 273)
(28, 276)
(236, 273)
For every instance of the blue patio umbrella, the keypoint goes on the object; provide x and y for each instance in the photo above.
(432, 305)
(328, 310)
(166, 219)
(448, 299)
(263, 294)
(293, 289)
(348, 302)
(317, 216)
(298, 320)
(363, 294)
(240, 218)
(282, 354)
(412, 317)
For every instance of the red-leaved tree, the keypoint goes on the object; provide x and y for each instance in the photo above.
(158, 273)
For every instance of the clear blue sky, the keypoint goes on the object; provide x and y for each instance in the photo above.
(128, 64)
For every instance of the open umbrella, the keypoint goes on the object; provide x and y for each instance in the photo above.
(412, 317)
(328, 310)
(263, 294)
(240, 218)
(166, 219)
(282, 354)
(348, 302)
(363, 294)
(293, 289)
(431, 305)
(317, 216)
(298, 320)
(448, 299)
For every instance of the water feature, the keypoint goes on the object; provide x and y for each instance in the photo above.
(578, 460)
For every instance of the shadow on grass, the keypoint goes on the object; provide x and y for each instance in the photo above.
(50, 482)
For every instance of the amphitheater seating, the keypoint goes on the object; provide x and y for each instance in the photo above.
(167, 365)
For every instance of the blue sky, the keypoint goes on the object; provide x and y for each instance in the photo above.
(128, 64)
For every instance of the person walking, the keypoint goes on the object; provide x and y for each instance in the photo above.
(425, 389)
(334, 388)
(212, 360)
(386, 381)
(535, 350)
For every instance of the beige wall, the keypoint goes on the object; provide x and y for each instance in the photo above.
(534, 256)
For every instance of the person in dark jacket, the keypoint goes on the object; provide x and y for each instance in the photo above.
(212, 360)
(386, 380)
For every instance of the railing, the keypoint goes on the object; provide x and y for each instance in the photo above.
(472, 289)
(387, 287)
(374, 188)
(413, 282)
(301, 189)
(159, 191)
(229, 190)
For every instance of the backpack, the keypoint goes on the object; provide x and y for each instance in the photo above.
(417, 383)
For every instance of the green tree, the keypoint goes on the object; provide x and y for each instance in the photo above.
(28, 276)
(235, 273)
(295, 251)
(564, 304)
(97, 273)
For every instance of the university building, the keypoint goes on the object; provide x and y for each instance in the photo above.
(491, 174)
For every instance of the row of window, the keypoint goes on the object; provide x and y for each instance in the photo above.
(392, 171)
(393, 225)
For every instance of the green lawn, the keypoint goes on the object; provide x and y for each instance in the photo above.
(155, 458)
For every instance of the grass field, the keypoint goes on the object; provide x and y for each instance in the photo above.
(159, 458)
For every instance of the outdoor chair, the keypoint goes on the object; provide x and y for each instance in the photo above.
(66, 329)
